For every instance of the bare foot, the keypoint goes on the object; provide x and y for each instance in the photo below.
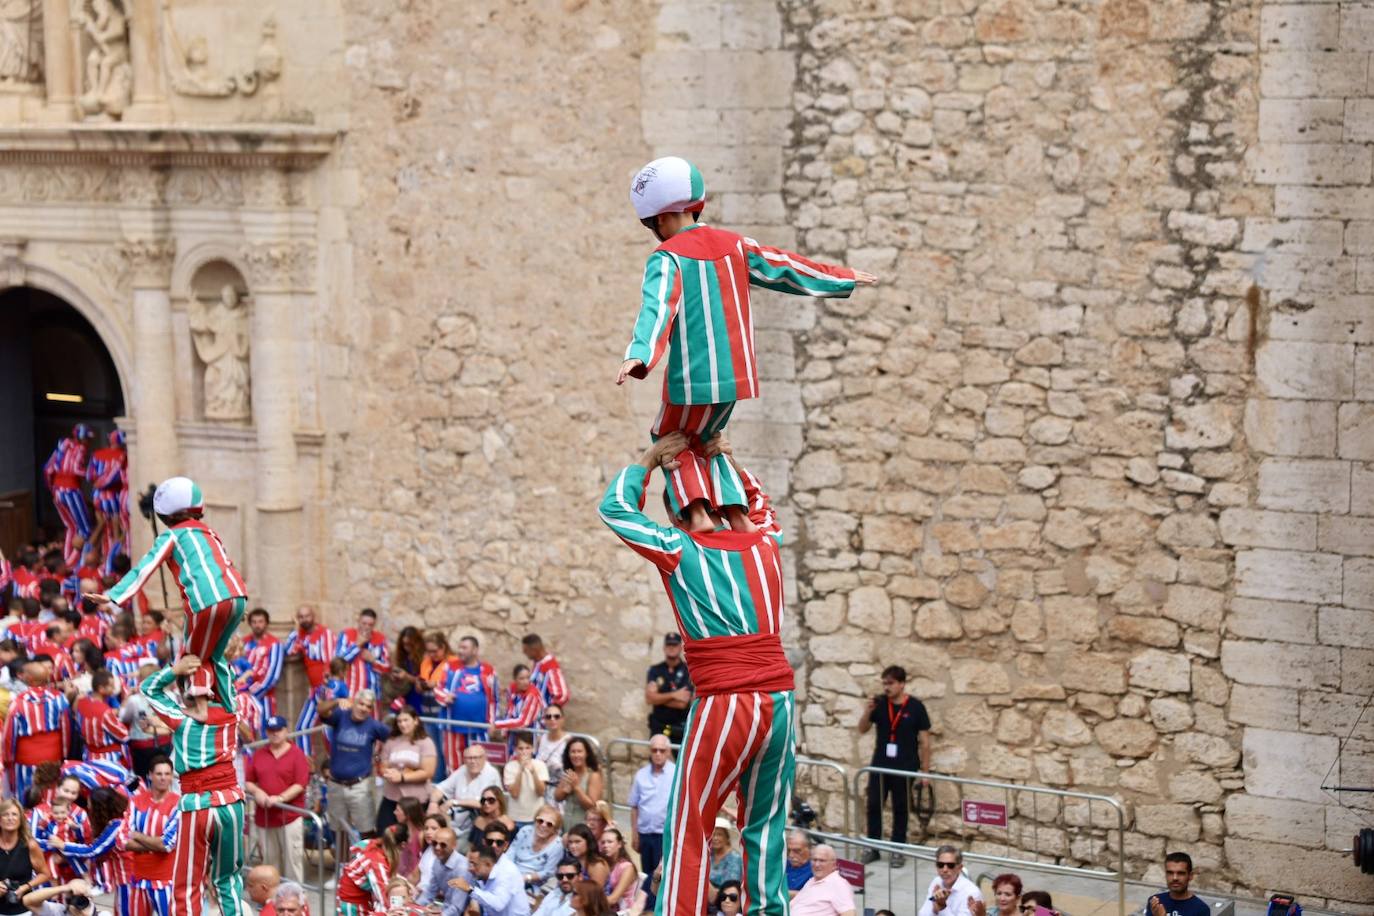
(738, 520)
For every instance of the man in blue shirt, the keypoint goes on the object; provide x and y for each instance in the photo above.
(349, 771)
(1178, 901)
(649, 808)
(798, 861)
(449, 863)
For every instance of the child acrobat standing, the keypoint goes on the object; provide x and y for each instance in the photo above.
(695, 307)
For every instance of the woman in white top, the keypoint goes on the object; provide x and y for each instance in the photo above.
(549, 749)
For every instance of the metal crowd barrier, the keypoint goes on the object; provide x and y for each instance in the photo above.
(1007, 788)
(801, 762)
(319, 835)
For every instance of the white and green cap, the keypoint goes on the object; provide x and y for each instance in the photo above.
(667, 185)
(176, 494)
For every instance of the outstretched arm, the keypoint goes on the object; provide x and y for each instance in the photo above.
(788, 272)
(620, 508)
(134, 580)
(660, 296)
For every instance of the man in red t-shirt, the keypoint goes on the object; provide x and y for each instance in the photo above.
(277, 774)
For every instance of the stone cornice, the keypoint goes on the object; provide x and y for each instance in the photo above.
(284, 146)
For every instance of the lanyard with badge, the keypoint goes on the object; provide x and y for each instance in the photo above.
(894, 718)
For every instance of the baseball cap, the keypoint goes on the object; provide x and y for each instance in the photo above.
(275, 722)
(175, 494)
(672, 639)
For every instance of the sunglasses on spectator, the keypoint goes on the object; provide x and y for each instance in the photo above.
(496, 840)
(488, 800)
(567, 876)
(553, 715)
(544, 822)
(946, 864)
(733, 898)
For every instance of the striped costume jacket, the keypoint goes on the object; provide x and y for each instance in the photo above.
(363, 675)
(196, 555)
(265, 658)
(547, 675)
(695, 307)
(197, 746)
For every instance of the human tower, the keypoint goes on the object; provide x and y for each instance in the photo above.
(719, 559)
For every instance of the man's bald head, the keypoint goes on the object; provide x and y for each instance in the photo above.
(822, 860)
(261, 883)
(445, 843)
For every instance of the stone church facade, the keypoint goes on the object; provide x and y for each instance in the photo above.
(1095, 463)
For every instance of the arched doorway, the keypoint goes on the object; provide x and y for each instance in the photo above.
(55, 372)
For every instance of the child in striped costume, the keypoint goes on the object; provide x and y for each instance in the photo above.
(362, 888)
(695, 307)
(524, 704)
(63, 819)
(725, 588)
(212, 591)
(64, 473)
(104, 861)
(210, 842)
(108, 473)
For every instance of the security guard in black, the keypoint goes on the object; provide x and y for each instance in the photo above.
(900, 720)
(668, 691)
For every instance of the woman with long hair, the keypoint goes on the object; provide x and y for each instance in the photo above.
(406, 764)
(103, 859)
(589, 900)
(624, 876)
(405, 667)
(21, 861)
(491, 809)
(432, 824)
(433, 669)
(581, 787)
(362, 886)
(549, 748)
(411, 812)
(581, 844)
(88, 658)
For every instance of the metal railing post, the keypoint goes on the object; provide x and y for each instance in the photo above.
(319, 835)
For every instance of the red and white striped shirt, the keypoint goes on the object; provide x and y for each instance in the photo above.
(547, 675)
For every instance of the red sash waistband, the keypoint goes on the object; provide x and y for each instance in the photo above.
(215, 777)
(32, 750)
(62, 481)
(738, 664)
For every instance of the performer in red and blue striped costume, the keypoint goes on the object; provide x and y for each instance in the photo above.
(210, 844)
(524, 703)
(105, 736)
(154, 821)
(695, 308)
(104, 861)
(37, 728)
(545, 672)
(265, 655)
(64, 473)
(725, 588)
(470, 692)
(366, 653)
(108, 473)
(62, 818)
(314, 644)
(212, 590)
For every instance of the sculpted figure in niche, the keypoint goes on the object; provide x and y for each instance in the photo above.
(20, 48)
(220, 333)
(109, 75)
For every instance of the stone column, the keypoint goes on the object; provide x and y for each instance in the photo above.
(154, 402)
(59, 73)
(276, 272)
(150, 100)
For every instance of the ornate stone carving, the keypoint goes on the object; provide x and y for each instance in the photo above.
(21, 42)
(219, 187)
(109, 74)
(219, 331)
(43, 183)
(105, 265)
(150, 260)
(280, 265)
(189, 68)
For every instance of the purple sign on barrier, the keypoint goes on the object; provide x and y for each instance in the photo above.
(496, 752)
(853, 872)
(987, 814)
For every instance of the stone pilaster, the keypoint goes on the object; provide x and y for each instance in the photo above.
(156, 454)
(277, 273)
(145, 53)
(58, 71)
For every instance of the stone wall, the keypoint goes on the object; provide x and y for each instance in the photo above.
(1031, 459)
(1078, 464)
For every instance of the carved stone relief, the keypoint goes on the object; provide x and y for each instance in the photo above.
(105, 266)
(219, 330)
(188, 65)
(280, 265)
(21, 43)
(109, 78)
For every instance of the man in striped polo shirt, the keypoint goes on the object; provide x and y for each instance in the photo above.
(695, 307)
(212, 590)
(210, 838)
(725, 588)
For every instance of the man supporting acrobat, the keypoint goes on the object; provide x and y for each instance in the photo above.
(726, 591)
